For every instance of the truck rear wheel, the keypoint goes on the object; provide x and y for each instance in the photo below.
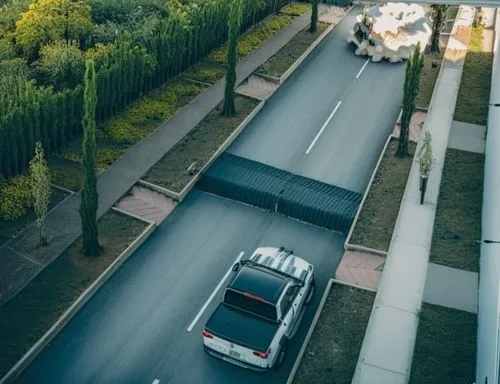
(282, 354)
(310, 294)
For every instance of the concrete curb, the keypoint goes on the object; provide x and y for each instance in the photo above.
(179, 196)
(347, 244)
(62, 189)
(296, 365)
(280, 80)
(196, 81)
(33, 352)
(332, 281)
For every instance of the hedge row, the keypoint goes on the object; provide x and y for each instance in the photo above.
(30, 114)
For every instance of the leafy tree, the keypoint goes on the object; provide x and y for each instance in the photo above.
(314, 16)
(40, 188)
(438, 13)
(47, 21)
(412, 81)
(89, 203)
(234, 23)
(7, 50)
(61, 65)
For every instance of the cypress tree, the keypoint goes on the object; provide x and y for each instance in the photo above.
(234, 23)
(314, 16)
(438, 15)
(412, 81)
(89, 202)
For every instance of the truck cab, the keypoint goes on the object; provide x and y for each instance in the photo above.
(261, 309)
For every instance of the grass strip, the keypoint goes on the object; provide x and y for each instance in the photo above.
(205, 72)
(296, 9)
(253, 39)
(474, 92)
(198, 146)
(445, 348)
(28, 315)
(290, 53)
(332, 352)
(378, 217)
(140, 119)
(458, 216)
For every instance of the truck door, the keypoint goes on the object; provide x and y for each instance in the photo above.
(289, 308)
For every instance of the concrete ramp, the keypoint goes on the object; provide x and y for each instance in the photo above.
(280, 191)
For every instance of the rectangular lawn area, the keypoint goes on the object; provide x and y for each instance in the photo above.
(379, 213)
(458, 216)
(29, 314)
(445, 348)
(198, 146)
(333, 350)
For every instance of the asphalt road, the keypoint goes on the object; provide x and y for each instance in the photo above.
(346, 151)
(134, 330)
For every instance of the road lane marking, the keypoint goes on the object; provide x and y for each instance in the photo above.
(323, 128)
(362, 68)
(156, 381)
(193, 323)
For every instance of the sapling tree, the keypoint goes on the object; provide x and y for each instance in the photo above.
(39, 176)
(438, 13)
(314, 16)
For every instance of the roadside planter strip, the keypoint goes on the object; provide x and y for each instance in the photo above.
(179, 196)
(280, 80)
(354, 247)
(33, 352)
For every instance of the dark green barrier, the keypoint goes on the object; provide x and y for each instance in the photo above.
(280, 191)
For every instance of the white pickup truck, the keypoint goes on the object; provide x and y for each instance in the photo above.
(261, 309)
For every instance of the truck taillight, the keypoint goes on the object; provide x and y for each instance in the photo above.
(262, 355)
(207, 334)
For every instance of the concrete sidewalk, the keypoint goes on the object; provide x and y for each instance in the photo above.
(22, 259)
(387, 351)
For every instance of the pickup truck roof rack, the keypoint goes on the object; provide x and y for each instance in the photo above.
(277, 271)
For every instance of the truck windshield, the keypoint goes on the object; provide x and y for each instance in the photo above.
(250, 304)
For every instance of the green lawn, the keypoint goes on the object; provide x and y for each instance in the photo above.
(378, 217)
(28, 315)
(474, 93)
(333, 350)
(198, 146)
(445, 348)
(458, 216)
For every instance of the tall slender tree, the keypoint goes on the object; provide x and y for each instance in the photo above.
(412, 81)
(40, 188)
(234, 24)
(89, 203)
(438, 13)
(314, 16)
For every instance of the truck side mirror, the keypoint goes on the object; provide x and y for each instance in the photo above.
(236, 267)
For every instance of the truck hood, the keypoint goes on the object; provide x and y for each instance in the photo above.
(281, 260)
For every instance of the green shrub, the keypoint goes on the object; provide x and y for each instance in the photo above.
(15, 197)
(107, 156)
(253, 39)
(296, 9)
(207, 74)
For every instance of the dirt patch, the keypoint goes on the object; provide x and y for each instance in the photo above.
(458, 216)
(28, 315)
(10, 228)
(474, 92)
(332, 352)
(65, 173)
(445, 348)
(198, 146)
(378, 217)
(278, 64)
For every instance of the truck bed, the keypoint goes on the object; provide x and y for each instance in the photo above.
(241, 328)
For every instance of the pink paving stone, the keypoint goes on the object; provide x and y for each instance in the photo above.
(416, 124)
(360, 269)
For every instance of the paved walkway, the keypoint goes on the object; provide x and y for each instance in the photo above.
(387, 351)
(467, 137)
(22, 259)
(451, 287)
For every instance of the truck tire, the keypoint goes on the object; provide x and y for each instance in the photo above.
(282, 353)
(310, 294)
